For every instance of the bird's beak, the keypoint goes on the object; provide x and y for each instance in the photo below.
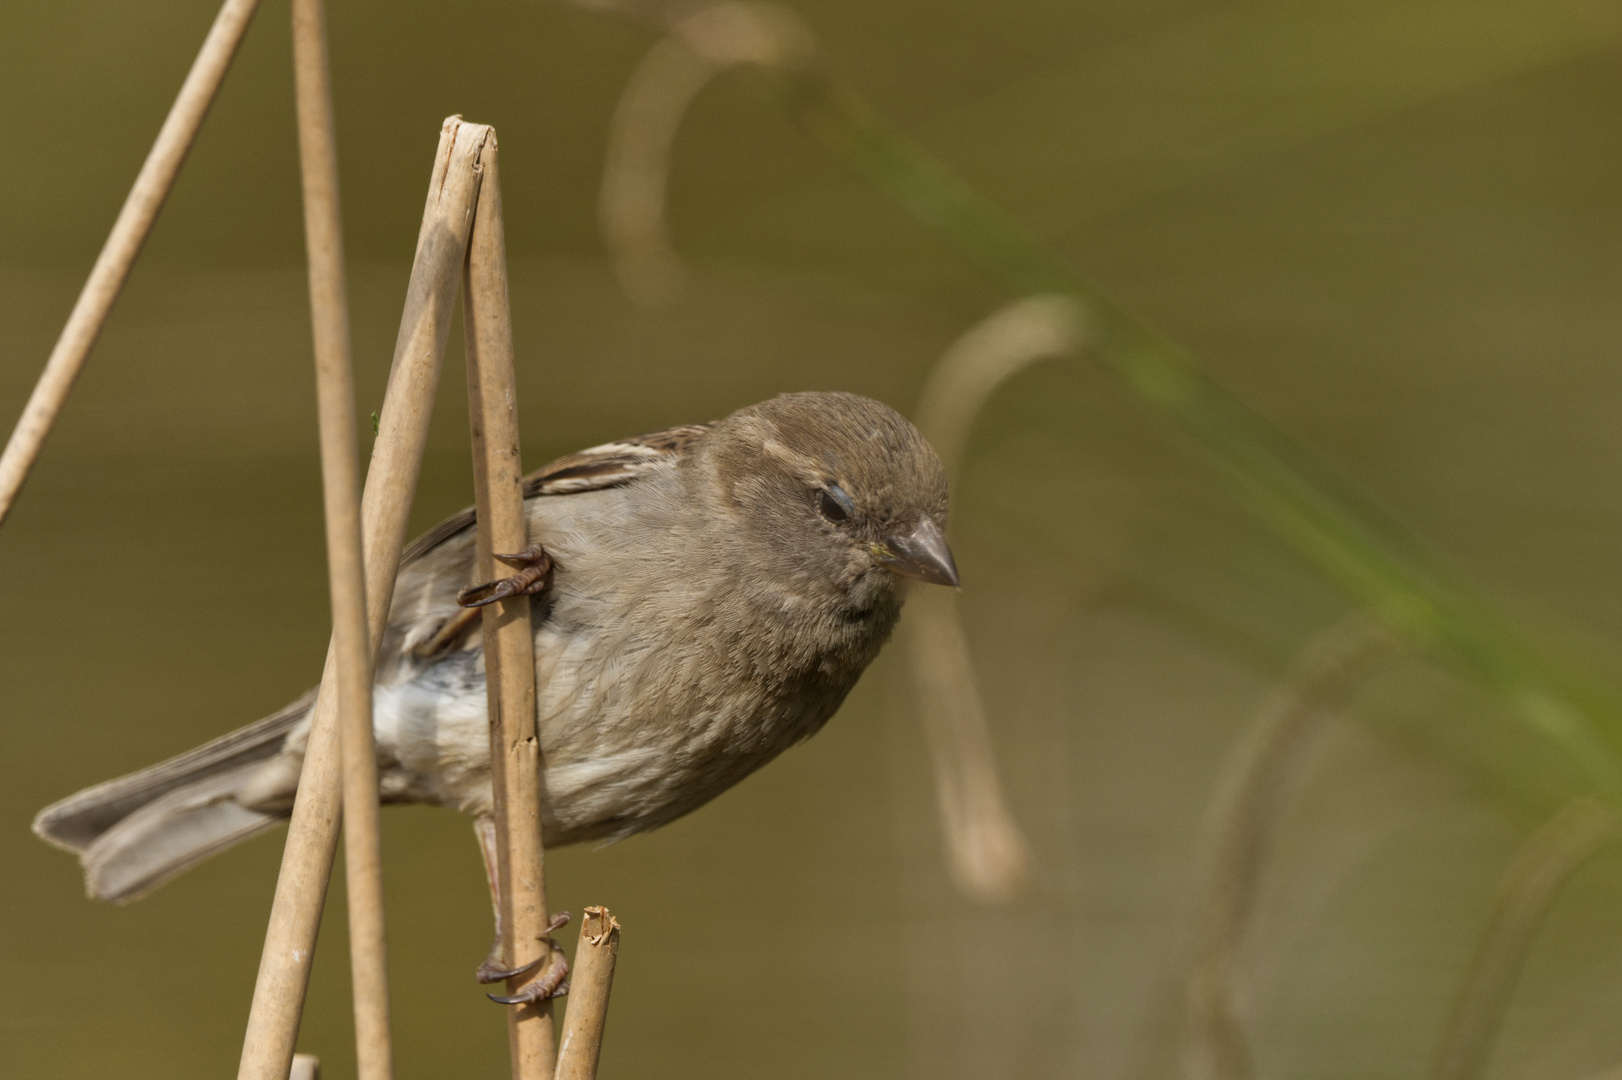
(921, 553)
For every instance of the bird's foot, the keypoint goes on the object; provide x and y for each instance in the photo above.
(553, 968)
(533, 577)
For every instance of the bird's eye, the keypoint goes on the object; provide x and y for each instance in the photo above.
(834, 504)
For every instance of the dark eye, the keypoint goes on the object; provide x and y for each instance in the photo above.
(835, 504)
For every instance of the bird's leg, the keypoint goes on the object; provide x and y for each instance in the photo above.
(553, 981)
(484, 828)
(534, 575)
(448, 633)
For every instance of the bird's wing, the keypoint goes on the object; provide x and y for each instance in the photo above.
(613, 464)
(605, 466)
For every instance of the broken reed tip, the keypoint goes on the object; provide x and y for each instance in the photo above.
(597, 925)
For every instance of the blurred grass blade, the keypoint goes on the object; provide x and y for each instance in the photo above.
(1317, 514)
(1336, 530)
(1548, 859)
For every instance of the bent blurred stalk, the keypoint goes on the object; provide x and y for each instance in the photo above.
(1243, 824)
(631, 203)
(1346, 538)
(986, 853)
(1555, 852)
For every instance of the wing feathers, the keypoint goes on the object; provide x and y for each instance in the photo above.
(593, 469)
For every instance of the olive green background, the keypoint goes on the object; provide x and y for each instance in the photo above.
(1393, 228)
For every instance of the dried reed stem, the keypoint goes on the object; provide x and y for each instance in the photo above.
(340, 477)
(592, 979)
(1243, 825)
(295, 917)
(305, 1067)
(986, 853)
(991, 352)
(509, 644)
(1552, 855)
(631, 205)
(129, 232)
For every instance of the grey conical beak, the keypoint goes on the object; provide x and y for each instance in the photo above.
(921, 553)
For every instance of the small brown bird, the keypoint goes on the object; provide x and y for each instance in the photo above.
(707, 597)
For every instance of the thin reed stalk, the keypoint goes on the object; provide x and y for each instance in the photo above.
(631, 204)
(509, 644)
(340, 481)
(1348, 540)
(112, 269)
(1243, 826)
(985, 851)
(295, 917)
(1543, 865)
(590, 983)
(305, 1067)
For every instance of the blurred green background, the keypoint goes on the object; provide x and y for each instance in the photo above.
(1393, 229)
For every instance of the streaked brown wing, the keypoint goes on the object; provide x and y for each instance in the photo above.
(605, 466)
(612, 464)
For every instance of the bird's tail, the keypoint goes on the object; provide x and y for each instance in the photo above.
(135, 833)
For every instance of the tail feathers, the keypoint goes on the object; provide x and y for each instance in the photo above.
(180, 809)
(169, 835)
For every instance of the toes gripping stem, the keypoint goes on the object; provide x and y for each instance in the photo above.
(552, 980)
(534, 575)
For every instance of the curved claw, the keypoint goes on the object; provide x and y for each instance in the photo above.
(534, 578)
(488, 973)
(553, 982)
(532, 553)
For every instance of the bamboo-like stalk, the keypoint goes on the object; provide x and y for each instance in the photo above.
(295, 917)
(1543, 865)
(509, 645)
(589, 984)
(1242, 826)
(340, 481)
(305, 1067)
(129, 233)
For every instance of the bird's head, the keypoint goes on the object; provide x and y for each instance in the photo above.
(833, 493)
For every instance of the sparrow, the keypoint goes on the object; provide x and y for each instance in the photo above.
(703, 598)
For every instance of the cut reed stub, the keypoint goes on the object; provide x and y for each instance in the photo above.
(590, 984)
